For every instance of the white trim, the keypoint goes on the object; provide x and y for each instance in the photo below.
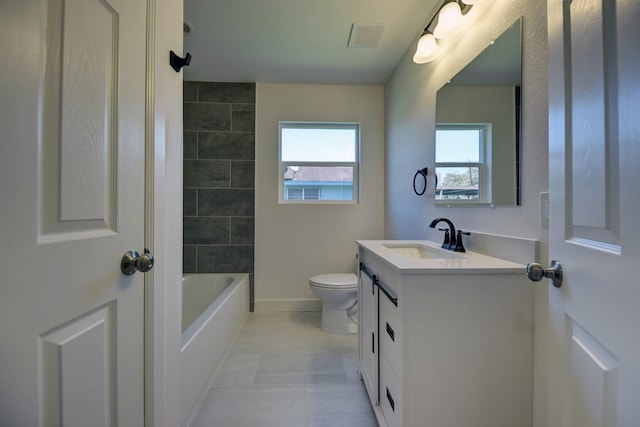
(163, 296)
(149, 278)
(264, 305)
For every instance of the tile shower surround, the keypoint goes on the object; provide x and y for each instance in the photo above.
(218, 180)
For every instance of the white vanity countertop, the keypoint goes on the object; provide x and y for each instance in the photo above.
(453, 263)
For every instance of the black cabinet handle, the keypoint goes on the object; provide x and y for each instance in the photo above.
(390, 332)
(391, 402)
(373, 342)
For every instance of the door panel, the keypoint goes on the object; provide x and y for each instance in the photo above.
(592, 91)
(594, 205)
(591, 381)
(87, 94)
(79, 128)
(78, 371)
(72, 112)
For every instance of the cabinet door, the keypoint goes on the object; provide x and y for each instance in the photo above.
(368, 330)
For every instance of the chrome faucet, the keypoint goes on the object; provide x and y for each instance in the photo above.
(452, 241)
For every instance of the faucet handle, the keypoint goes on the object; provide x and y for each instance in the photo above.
(459, 245)
(447, 237)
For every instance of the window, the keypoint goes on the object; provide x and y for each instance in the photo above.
(303, 193)
(461, 150)
(318, 162)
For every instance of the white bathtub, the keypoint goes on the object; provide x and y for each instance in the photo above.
(214, 307)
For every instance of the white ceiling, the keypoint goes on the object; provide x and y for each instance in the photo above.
(298, 41)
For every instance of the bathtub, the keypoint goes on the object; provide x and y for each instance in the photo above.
(214, 307)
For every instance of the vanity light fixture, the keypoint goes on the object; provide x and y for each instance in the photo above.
(427, 49)
(449, 23)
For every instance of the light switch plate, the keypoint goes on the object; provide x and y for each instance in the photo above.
(544, 209)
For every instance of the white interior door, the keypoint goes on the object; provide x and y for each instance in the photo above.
(72, 111)
(594, 152)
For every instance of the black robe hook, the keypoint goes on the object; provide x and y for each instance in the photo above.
(177, 63)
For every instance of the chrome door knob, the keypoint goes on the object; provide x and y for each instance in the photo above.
(144, 262)
(535, 272)
(132, 261)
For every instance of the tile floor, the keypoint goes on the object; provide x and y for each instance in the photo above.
(283, 371)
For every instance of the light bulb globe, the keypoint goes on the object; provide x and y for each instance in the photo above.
(427, 49)
(449, 21)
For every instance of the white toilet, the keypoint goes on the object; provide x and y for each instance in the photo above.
(339, 295)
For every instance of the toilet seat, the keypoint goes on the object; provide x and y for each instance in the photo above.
(335, 281)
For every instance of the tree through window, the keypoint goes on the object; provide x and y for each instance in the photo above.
(460, 162)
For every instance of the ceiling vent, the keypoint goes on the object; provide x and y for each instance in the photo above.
(365, 35)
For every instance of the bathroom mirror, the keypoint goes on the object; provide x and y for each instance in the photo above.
(477, 145)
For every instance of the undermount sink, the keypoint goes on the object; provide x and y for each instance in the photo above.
(418, 251)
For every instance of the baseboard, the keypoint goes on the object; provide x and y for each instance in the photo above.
(287, 304)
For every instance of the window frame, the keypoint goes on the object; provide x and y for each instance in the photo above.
(303, 191)
(483, 163)
(282, 165)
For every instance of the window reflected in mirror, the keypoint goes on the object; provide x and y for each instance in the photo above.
(477, 144)
(460, 161)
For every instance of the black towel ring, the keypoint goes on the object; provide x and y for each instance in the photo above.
(422, 172)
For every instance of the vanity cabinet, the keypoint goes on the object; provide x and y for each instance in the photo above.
(445, 346)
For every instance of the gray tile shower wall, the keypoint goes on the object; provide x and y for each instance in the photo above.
(219, 176)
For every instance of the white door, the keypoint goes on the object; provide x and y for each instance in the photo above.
(72, 111)
(594, 151)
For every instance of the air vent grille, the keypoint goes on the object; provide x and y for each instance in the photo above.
(365, 35)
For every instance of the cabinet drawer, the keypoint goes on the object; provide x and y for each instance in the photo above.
(390, 394)
(390, 333)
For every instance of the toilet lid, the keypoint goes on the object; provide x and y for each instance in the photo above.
(335, 280)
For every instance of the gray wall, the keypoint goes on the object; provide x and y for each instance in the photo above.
(219, 165)
(410, 101)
